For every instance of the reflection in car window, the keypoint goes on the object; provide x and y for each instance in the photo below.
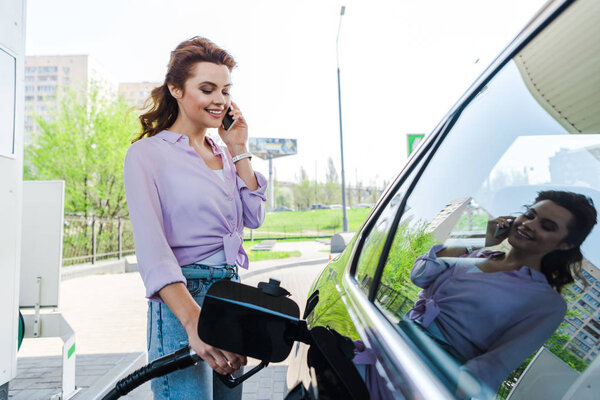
(531, 130)
(375, 240)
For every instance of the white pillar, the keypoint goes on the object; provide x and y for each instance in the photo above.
(271, 188)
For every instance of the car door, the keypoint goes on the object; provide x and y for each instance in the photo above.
(529, 125)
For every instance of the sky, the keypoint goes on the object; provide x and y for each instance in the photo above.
(403, 64)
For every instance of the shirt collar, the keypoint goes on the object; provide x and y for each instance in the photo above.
(169, 136)
(534, 274)
(216, 149)
(173, 137)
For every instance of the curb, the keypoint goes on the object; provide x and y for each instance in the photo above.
(114, 266)
(102, 267)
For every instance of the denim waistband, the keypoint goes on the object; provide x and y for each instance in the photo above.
(200, 271)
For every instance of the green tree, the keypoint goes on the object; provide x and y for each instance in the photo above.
(303, 191)
(332, 175)
(283, 195)
(331, 190)
(84, 142)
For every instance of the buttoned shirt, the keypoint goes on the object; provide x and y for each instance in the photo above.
(182, 212)
(494, 320)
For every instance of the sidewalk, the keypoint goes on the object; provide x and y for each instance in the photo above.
(108, 314)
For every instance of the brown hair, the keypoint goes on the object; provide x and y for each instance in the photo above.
(163, 109)
(559, 266)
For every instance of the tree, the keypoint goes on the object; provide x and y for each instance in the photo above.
(84, 142)
(350, 196)
(303, 191)
(332, 190)
(332, 175)
(359, 192)
(284, 196)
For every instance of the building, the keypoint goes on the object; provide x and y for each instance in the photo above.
(47, 76)
(576, 166)
(136, 93)
(583, 328)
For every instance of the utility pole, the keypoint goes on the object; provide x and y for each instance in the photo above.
(345, 215)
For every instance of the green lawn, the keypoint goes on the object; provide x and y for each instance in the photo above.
(267, 255)
(308, 223)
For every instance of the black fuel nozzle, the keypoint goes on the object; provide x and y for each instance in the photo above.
(273, 288)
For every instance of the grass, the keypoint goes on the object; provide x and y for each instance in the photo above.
(268, 255)
(271, 255)
(293, 239)
(309, 223)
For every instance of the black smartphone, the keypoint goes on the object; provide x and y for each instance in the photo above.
(503, 231)
(228, 120)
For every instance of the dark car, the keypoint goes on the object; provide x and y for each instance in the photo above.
(530, 123)
(282, 208)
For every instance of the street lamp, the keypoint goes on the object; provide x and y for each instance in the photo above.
(337, 55)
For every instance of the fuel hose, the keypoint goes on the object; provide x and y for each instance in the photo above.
(180, 359)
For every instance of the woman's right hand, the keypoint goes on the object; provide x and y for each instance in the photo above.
(498, 230)
(181, 303)
(223, 362)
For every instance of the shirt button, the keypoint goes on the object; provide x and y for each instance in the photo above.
(229, 198)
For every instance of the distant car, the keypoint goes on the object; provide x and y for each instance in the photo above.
(282, 208)
(319, 207)
(529, 123)
(364, 205)
(336, 206)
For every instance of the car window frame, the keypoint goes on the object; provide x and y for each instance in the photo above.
(432, 142)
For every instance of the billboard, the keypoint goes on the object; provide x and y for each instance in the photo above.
(266, 148)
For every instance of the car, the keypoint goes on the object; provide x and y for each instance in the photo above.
(282, 208)
(529, 123)
(319, 207)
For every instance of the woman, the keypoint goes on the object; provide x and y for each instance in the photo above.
(497, 309)
(189, 201)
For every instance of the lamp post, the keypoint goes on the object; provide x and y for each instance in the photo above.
(337, 55)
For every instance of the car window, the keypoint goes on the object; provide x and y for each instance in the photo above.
(374, 242)
(533, 130)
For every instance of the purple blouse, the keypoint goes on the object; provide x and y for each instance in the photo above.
(182, 212)
(494, 320)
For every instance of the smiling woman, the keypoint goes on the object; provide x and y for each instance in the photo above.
(459, 305)
(189, 201)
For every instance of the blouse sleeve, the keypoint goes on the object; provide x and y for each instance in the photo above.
(156, 261)
(516, 344)
(428, 267)
(253, 202)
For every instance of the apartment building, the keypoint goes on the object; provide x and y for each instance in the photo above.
(47, 76)
(584, 327)
(136, 93)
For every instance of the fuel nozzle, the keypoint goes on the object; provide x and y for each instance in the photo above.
(273, 288)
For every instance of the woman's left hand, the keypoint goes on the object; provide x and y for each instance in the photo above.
(237, 136)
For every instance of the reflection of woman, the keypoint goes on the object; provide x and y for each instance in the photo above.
(498, 311)
(189, 201)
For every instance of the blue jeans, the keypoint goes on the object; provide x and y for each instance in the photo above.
(165, 335)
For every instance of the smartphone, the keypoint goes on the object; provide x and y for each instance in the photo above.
(228, 121)
(503, 231)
